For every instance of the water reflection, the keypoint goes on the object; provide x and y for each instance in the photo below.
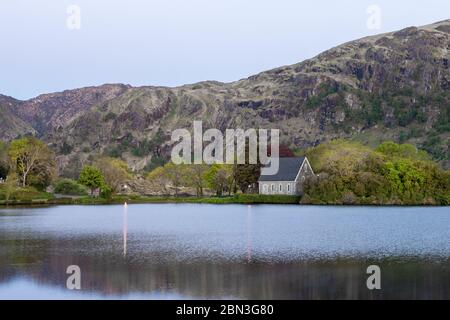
(248, 252)
(249, 233)
(125, 228)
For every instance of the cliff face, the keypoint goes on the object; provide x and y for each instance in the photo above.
(54, 110)
(12, 126)
(391, 86)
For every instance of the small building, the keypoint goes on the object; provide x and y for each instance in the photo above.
(291, 174)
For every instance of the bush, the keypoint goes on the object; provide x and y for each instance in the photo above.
(106, 192)
(433, 145)
(390, 174)
(349, 198)
(155, 162)
(269, 199)
(24, 194)
(70, 187)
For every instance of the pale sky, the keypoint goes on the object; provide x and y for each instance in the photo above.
(175, 42)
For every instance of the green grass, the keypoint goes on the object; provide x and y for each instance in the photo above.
(241, 198)
(236, 199)
(27, 194)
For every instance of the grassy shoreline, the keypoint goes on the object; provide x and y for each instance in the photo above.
(237, 199)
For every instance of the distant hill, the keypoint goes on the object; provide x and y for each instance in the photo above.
(11, 125)
(393, 86)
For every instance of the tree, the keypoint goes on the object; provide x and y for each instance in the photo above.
(392, 173)
(73, 168)
(42, 175)
(220, 178)
(4, 160)
(115, 172)
(158, 179)
(92, 178)
(247, 176)
(170, 175)
(30, 155)
(392, 150)
(10, 185)
(407, 179)
(176, 175)
(195, 176)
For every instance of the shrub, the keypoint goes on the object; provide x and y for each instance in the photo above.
(155, 162)
(390, 174)
(106, 192)
(269, 199)
(349, 198)
(70, 187)
(23, 194)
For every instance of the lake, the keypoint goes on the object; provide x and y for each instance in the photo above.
(192, 251)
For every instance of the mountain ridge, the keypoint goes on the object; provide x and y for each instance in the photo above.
(435, 25)
(389, 86)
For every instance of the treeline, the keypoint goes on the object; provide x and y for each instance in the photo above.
(350, 173)
(28, 167)
(346, 173)
(219, 179)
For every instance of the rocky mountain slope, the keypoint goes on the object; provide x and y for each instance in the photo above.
(54, 110)
(12, 126)
(391, 86)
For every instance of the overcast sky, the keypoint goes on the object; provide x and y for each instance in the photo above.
(174, 42)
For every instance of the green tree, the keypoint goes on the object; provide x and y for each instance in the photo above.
(4, 160)
(247, 176)
(220, 178)
(10, 185)
(392, 173)
(92, 178)
(406, 178)
(406, 150)
(195, 177)
(114, 171)
(158, 179)
(373, 111)
(32, 156)
(169, 176)
(175, 174)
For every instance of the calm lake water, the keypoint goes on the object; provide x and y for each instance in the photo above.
(183, 251)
